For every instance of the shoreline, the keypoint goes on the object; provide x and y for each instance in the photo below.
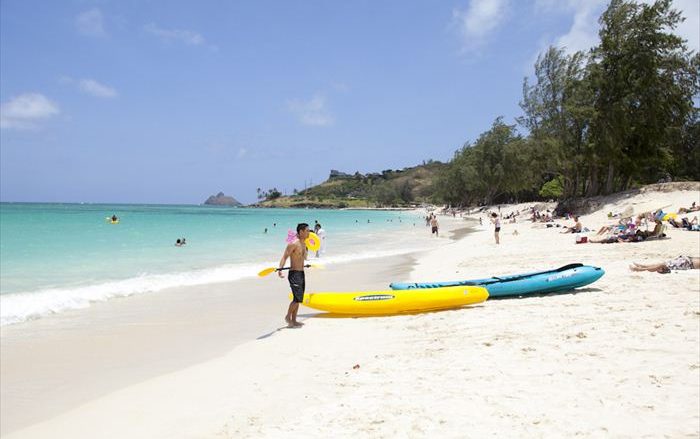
(112, 345)
(616, 358)
(206, 261)
(85, 354)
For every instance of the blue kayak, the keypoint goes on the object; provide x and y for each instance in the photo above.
(564, 278)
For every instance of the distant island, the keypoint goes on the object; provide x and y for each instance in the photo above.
(222, 200)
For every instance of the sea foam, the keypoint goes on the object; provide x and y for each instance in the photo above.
(19, 307)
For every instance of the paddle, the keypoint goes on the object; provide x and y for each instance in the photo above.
(267, 271)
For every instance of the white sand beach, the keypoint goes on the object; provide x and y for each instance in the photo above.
(618, 358)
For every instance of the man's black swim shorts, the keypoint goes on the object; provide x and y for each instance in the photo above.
(298, 284)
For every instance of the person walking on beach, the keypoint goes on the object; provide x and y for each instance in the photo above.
(497, 223)
(434, 226)
(296, 252)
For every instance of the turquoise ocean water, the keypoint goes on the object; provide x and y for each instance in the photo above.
(55, 257)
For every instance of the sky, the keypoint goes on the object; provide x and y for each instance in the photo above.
(145, 101)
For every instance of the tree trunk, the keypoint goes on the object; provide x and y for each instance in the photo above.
(611, 179)
(577, 182)
(628, 183)
(593, 186)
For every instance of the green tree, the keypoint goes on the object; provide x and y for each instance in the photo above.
(272, 194)
(385, 194)
(687, 150)
(645, 81)
(553, 188)
(558, 109)
(496, 166)
(406, 191)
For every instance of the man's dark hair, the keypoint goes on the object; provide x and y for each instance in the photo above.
(302, 226)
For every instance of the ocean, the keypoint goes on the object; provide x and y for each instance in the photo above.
(55, 257)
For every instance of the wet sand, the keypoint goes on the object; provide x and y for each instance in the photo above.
(54, 364)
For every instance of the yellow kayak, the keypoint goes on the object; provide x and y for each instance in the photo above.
(396, 301)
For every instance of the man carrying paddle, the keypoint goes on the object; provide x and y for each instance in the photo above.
(296, 252)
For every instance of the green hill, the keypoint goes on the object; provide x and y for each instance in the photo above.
(389, 188)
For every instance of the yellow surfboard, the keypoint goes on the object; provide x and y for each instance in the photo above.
(395, 301)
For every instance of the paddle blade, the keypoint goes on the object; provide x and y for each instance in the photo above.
(319, 266)
(267, 271)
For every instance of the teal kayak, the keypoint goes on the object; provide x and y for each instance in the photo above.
(564, 278)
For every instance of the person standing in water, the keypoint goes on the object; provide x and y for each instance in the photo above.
(497, 223)
(296, 252)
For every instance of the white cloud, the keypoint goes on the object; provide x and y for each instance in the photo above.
(90, 86)
(584, 30)
(479, 19)
(242, 152)
(25, 110)
(94, 88)
(312, 112)
(188, 37)
(90, 23)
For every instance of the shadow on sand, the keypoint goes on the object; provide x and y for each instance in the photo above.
(556, 293)
(475, 306)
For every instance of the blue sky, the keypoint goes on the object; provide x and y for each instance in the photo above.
(171, 101)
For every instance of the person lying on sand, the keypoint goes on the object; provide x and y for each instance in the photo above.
(683, 223)
(633, 236)
(679, 263)
(693, 208)
(624, 226)
(612, 239)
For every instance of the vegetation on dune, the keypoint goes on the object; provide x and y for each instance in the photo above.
(597, 123)
(394, 188)
(621, 115)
